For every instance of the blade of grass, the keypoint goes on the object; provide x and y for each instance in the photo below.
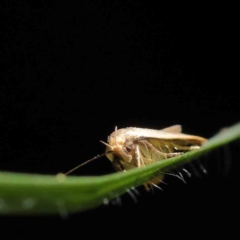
(27, 194)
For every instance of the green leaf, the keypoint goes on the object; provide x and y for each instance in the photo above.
(43, 194)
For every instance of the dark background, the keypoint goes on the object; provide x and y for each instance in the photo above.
(72, 72)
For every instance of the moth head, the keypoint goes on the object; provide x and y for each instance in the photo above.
(118, 148)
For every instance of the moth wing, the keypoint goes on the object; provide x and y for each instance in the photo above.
(180, 141)
(173, 129)
(167, 141)
(166, 135)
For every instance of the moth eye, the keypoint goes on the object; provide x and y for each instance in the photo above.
(128, 148)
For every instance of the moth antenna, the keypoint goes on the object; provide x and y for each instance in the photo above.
(88, 161)
(116, 136)
(105, 144)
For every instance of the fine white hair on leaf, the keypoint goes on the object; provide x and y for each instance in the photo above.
(180, 174)
(117, 201)
(156, 186)
(2, 203)
(187, 172)
(175, 175)
(130, 193)
(28, 203)
(62, 208)
(135, 191)
(105, 201)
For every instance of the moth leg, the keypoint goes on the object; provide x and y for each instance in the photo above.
(138, 157)
(146, 143)
(117, 165)
(186, 148)
(165, 155)
(169, 155)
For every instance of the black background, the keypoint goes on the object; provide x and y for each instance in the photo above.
(72, 72)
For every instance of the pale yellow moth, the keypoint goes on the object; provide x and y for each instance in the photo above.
(137, 147)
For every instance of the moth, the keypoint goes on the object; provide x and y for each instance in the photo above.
(137, 147)
(133, 147)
